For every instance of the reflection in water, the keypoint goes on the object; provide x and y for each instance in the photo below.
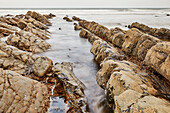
(67, 46)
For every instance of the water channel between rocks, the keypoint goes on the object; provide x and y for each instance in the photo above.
(67, 46)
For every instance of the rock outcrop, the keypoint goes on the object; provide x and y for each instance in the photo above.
(17, 91)
(28, 42)
(127, 87)
(162, 33)
(39, 17)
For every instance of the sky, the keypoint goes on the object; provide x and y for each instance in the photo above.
(84, 3)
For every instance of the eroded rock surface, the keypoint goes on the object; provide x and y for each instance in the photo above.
(28, 42)
(22, 94)
(162, 33)
(39, 17)
(127, 87)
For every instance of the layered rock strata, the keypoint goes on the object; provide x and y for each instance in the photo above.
(134, 43)
(162, 33)
(127, 87)
(28, 42)
(29, 81)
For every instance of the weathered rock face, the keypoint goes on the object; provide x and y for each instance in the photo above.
(11, 21)
(73, 86)
(5, 32)
(41, 66)
(76, 27)
(39, 17)
(36, 23)
(18, 92)
(158, 57)
(67, 19)
(49, 16)
(131, 101)
(28, 42)
(162, 33)
(7, 26)
(127, 88)
(76, 18)
(102, 50)
(137, 43)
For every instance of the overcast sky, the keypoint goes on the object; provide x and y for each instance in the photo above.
(84, 3)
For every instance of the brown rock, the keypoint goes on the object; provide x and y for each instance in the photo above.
(17, 92)
(158, 57)
(41, 66)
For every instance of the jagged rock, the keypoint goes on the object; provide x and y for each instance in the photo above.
(133, 102)
(36, 31)
(49, 15)
(36, 23)
(10, 21)
(76, 27)
(102, 50)
(84, 33)
(18, 92)
(27, 41)
(162, 33)
(7, 26)
(73, 86)
(67, 19)
(137, 43)
(39, 17)
(5, 32)
(76, 18)
(41, 66)
(93, 38)
(12, 58)
(158, 57)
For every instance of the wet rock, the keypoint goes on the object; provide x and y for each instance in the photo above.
(102, 50)
(16, 60)
(27, 41)
(7, 26)
(18, 92)
(39, 17)
(73, 86)
(5, 32)
(133, 102)
(49, 16)
(158, 57)
(36, 31)
(41, 66)
(138, 43)
(162, 33)
(10, 21)
(76, 27)
(36, 23)
(93, 38)
(84, 33)
(67, 19)
(76, 18)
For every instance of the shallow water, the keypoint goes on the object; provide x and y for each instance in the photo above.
(67, 46)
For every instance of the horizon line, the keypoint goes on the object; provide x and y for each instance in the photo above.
(93, 8)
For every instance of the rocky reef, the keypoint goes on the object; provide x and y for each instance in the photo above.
(162, 33)
(134, 67)
(27, 80)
